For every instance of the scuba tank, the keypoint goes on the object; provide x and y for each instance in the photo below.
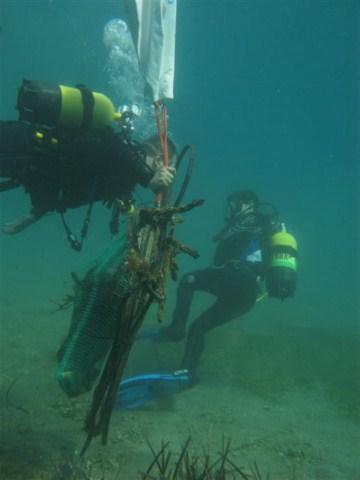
(281, 273)
(67, 107)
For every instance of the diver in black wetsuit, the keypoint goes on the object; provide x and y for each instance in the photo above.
(64, 166)
(78, 170)
(234, 278)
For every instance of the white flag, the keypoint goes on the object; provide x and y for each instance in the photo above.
(153, 27)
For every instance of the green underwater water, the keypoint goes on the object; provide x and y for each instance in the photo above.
(268, 94)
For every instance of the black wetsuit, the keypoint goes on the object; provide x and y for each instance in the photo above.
(66, 169)
(233, 280)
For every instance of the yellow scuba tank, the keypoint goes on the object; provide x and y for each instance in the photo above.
(282, 265)
(67, 107)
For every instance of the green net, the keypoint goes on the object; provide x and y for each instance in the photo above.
(97, 304)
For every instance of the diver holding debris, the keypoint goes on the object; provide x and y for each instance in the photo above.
(112, 297)
(65, 153)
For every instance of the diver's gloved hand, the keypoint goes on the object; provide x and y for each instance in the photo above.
(162, 178)
(20, 223)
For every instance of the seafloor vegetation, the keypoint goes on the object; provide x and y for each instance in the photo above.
(166, 464)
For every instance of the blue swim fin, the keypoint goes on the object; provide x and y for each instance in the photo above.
(135, 392)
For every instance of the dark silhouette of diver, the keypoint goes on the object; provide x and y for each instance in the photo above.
(241, 261)
(64, 166)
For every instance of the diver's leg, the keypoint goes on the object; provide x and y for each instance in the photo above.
(238, 296)
(218, 314)
(18, 225)
(16, 149)
(16, 146)
(189, 284)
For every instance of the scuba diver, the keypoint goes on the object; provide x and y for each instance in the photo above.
(65, 153)
(251, 247)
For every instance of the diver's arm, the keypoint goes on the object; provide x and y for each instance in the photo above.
(148, 172)
(231, 247)
(40, 206)
(16, 157)
(155, 176)
(235, 236)
(163, 177)
(137, 162)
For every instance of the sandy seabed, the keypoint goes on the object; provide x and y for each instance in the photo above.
(293, 432)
